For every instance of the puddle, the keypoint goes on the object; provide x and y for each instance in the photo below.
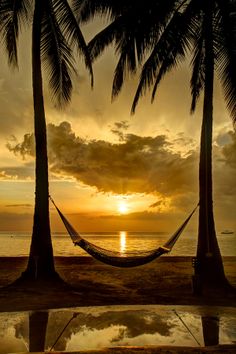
(98, 327)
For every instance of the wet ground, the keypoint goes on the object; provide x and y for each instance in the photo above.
(97, 327)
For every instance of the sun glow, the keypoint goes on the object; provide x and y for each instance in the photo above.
(122, 207)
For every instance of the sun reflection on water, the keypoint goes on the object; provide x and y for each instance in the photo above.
(123, 235)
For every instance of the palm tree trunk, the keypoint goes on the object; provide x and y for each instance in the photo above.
(40, 263)
(210, 265)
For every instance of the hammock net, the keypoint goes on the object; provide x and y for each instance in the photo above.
(118, 259)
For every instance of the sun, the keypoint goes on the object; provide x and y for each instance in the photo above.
(122, 207)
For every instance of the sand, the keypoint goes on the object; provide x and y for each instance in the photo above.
(167, 280)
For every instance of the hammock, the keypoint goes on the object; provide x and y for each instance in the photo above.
(118, 259)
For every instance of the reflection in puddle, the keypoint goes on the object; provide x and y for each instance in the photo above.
(98, 327)
(11, 334)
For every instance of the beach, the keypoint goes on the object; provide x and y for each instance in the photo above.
(167, 280)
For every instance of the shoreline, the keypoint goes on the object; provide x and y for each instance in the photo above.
(165, 281)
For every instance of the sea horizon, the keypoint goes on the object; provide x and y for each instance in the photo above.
(18, 243)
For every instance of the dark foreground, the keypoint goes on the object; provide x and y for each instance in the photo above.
(164, 281)
(221, 349)
(90, 283)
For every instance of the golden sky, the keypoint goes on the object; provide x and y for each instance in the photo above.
(109, 170)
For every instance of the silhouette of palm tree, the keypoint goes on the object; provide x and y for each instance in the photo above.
(55, 33)
(156, 35)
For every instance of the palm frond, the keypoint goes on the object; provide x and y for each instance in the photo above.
(13, 14)
(198, 72)
(169, 48)
(180, 36)
(72, 32)
(105, 38)
(133, 31)
(86, 10)
(56, 57)
(226, 55)
(119, 76)
(147, 77)
(127, 62)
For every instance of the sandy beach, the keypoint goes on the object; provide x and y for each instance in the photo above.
(167, 280)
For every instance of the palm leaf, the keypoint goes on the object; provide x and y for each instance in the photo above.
(56, 56)
(170, 47)
(87, 10)
(105, 38)
(71, 30)
(226, 56)
(119, 75)
(127, 62)
(13, 14)
(198, 72)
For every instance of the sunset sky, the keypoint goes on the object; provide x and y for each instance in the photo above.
(108, 170)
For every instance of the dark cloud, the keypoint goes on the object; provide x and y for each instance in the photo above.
(137, 164)
(139, 215)
(5, 176)
(121, 125)
(23, 172)
(22, 221)
(229, 149)
(24, 148)
(158, 204)
(119, 128)
(18, 205)
(224, 166)
(16, 101)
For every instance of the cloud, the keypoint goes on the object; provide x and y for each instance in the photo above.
(24, 148)
(118, 129)
(16, 101)
(16, 222)
(229, 149)
(23, 172)
(159, 204)
(5, 176)
(18, 205)
(137, 164)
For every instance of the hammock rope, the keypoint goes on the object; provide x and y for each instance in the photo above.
(118, 259)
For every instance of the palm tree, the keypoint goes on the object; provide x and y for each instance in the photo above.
(155, 36)
(55, 33)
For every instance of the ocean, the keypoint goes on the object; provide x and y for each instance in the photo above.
(18, 244)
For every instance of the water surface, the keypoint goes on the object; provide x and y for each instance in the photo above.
(18, 244)
(110, 326)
